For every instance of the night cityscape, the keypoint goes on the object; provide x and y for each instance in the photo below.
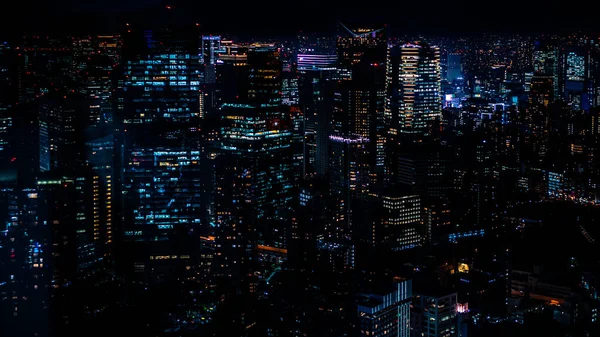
(179, 169)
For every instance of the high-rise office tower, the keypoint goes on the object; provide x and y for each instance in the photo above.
(256, 140)
(433, 315)
(355, 146)
(57, 248)
(289, 86)
(545, 83)
(45, 65)
(423, 167)
(413, 86)
(394, 220)
(361, 97)
(211, 47)
(209, 58)
(235, 232)
(163, 200)
(7, 60)
(61, 125)
(161, 153)
(542, 90)
(308, 224)
(386, 313)
(100, 158)
(454, 67)
(67, 206)
(23, 276)
(349, 181)
(577, 86)
(359, 45)
(8, 97)
(317, 74)
(232, 73)
(162, 77)
(95, 59)
(297, 122)
(348, 175)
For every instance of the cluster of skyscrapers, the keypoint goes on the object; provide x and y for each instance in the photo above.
(168, 156)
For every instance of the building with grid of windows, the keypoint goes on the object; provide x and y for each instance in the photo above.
(386, 313)
(434, 315)
(414, 88)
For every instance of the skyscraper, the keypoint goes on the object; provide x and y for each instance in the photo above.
(386, 313)
(253, 165)
(359, 45)
(162, 77)
(454, 67)
(209, 58)
(413, 82)
(161, 151)
(94, 60)
(546, 79)
(211, 47)
(349, 181)
(8, 97)
(434, 315)
(317, 74)
(576, 63)
(361, 94)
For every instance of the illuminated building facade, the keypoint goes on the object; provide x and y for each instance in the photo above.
(162, 79)
(454, 71)
(542, 90)
(209, 58)
(289, 88)
(25, 276)
(6, 125)
(7, 98)
(317, 76)
(546, 75)
(165, 201)
(100, 157)
(360, 97)
(59, 129)
(51, 247)
(422, 167)
(67, 207)
(349, 181)
(414, 88)
(255, 156)
(434, 315)
(401, 224)
(308, 223)
(232, 73)
(160, 152)
(555, 183)
(235, 231)
(297, 127)
(211, 47)
(95, 59)
(577, 86)
(267, 154)
(386, 313)
(360, 113)
(359, 45)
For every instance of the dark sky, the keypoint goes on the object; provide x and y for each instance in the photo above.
(287, 17)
